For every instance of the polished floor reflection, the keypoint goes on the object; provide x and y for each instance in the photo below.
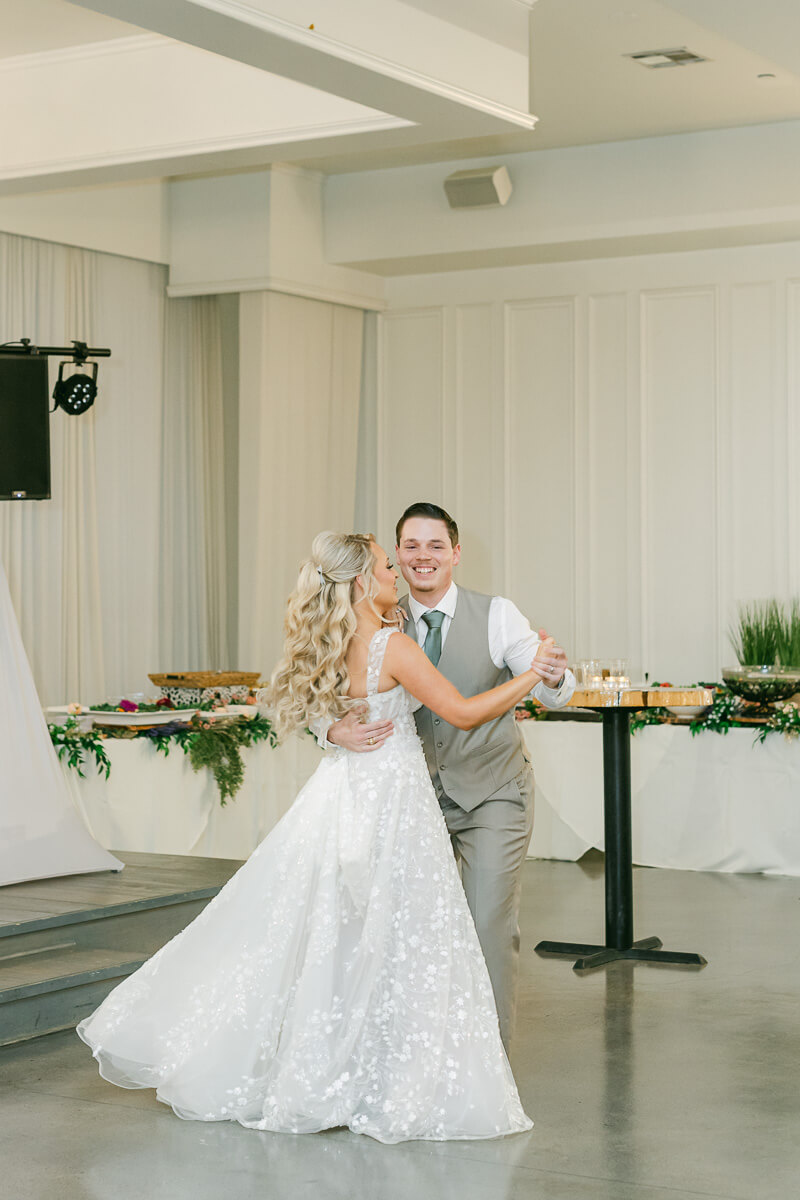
(645, 1082)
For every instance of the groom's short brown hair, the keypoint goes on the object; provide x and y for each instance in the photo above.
(434, 513)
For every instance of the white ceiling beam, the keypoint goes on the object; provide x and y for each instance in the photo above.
(164, 104)
(378, 53)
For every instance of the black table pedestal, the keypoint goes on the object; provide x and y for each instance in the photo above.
(619, 865)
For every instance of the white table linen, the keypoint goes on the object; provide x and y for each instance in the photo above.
(704, 803)
(707, 803)
(161, 806)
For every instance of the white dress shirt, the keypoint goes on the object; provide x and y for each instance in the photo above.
(512, 642)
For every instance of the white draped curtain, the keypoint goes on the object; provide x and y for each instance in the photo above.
(51, 549)
(122, 572)
(300, 379)
(193, 546)
(125, 570)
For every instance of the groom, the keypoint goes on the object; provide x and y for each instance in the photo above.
(482, 778)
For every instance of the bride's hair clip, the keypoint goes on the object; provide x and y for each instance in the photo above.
(322, 580)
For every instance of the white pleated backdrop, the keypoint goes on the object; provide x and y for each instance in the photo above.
(300, 381)
(128, 569)
(122, 572)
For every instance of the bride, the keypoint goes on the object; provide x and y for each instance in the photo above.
(337, 979)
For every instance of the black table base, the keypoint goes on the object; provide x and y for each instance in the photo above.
(619, 866)
(645, 950)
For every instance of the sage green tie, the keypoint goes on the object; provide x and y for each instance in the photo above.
(433, 638)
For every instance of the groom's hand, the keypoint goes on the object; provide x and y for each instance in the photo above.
(352, 734)
(550, 661)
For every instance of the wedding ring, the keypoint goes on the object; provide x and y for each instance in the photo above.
(371, 741)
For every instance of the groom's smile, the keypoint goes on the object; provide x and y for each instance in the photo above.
(421, 576)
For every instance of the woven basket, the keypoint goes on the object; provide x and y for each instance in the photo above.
(206, 679)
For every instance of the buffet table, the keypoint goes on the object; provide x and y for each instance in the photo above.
(706, 803)
(159, 805)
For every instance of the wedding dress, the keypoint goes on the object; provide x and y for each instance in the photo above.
(337, 979)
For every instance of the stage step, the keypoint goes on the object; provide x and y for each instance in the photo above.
(51, 990)
(65, 943)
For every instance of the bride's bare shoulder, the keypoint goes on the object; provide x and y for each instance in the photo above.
(399, 649)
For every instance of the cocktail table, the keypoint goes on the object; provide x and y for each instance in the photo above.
(616, 706)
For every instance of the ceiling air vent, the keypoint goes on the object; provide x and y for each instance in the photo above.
(666, 58)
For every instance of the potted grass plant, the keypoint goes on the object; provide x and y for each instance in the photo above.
(757, 633)
(765, 634)
(788, 636)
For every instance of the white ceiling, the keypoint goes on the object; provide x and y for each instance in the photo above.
(501, 21)
(31, 26)
(584, 88)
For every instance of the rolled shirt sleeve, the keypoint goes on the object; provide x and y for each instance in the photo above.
(513, 642)
(320, 732)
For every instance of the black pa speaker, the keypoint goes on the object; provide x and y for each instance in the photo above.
(24, 428)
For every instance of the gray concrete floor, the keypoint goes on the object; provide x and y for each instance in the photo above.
(645, 1082)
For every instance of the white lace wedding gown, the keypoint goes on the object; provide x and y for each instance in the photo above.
(336, 980)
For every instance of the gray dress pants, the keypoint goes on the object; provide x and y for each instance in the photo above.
(490, 844)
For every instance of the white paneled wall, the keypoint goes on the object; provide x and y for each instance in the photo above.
(678, 405)
(618, 442)
(540, 446)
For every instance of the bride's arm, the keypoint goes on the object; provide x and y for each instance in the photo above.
(409, 666)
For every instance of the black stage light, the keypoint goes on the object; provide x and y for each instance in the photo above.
(77, 393)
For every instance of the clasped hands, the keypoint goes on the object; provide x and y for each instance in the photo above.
(550, 661)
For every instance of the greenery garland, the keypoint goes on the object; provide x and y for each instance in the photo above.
(74, 746)
(728, 712)
(215, 745)
(785, 720)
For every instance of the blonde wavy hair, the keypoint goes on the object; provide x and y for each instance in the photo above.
(311, 680)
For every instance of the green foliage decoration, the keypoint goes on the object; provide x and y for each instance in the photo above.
(648, 716)
(74, 746)
(214, 745)
(220, 751)
(785, 719)
(722, 715)
(728, 712)
(217, 745)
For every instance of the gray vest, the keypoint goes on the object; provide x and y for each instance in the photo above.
(470, 766)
